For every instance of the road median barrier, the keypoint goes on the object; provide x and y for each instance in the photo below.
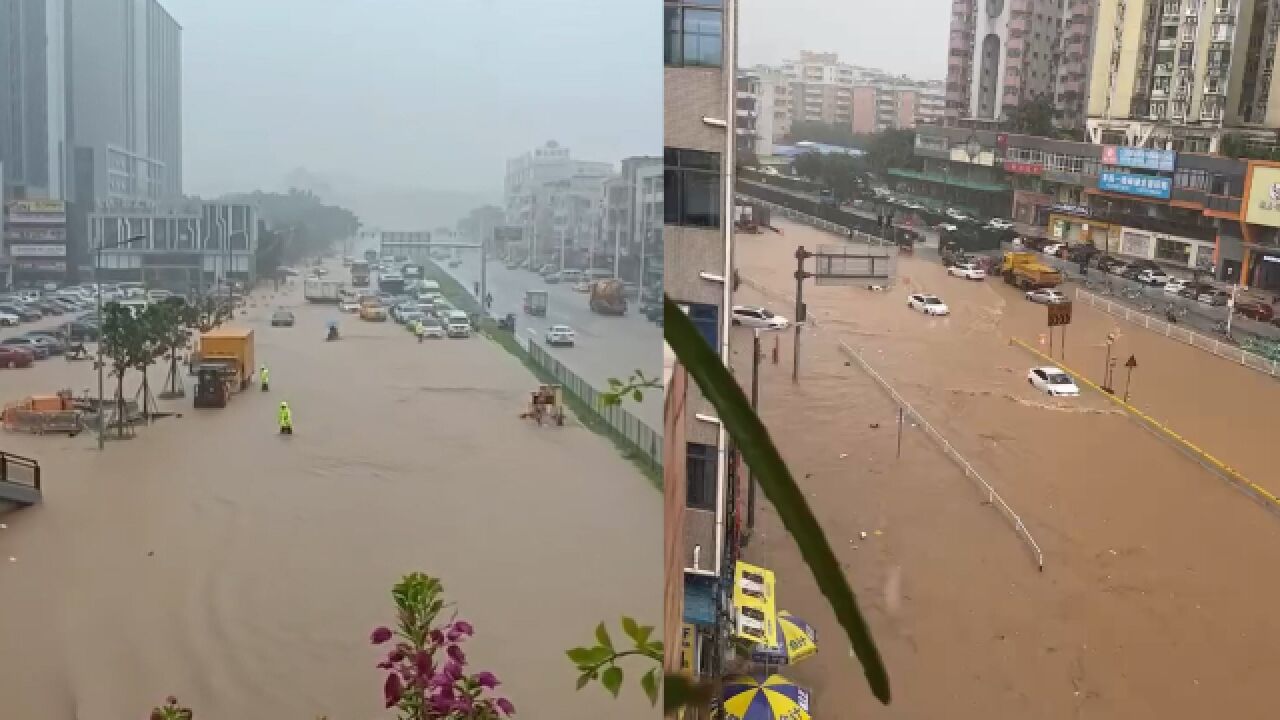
(634, 440)
(1203, 456)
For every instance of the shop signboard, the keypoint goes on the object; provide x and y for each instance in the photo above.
(34, 235)
(1263, 206)
(755, 601)
(41, 251)
(37, 212)
(41, 266)
(1139, 158)
(1023, 168)
(1080, 210)
(1147, 186)
(687, 649)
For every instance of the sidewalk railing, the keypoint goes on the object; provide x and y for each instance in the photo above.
(623, 422)
(1222, 349)
(845, 229)
(19, 479)
(993, 497)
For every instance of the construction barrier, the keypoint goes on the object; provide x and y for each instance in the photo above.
(41, 423)
(1202, 455)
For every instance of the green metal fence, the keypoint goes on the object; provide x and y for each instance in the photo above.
(643, 437)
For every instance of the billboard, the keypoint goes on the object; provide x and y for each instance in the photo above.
(1139, 158)
(1023, 168)
(755, 600)
(1263, 205)
(1147, 186)
(42, 212)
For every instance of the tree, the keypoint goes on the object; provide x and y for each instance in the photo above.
(890, 149)
(153, 321)
(174, 336)
(125, 344)
(1034, 116)
(426, 676)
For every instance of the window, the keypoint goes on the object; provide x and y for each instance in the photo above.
(700, 471)
(691, 188)
(707, 319)
(693, 30)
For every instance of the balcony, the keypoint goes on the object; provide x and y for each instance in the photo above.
(1167, 43)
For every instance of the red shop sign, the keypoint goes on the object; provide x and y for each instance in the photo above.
(1023, 168)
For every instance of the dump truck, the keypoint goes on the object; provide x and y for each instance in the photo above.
(1026, 271)
(231, 347)
(360, 274)
(607, 297)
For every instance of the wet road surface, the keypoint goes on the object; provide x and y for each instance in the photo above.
(241, 570)
(1156, 600)
(606, 346)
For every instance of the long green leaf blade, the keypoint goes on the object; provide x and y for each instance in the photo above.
(760, 454)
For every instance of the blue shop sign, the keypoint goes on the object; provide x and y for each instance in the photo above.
(1148, 186)
(1140, 158)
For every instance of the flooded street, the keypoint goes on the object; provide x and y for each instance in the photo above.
(1156, 599)
(241, 570)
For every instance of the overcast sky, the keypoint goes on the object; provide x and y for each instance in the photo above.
(901, 36)
(412, 93)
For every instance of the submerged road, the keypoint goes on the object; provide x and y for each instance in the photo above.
(606, 346)
(211, 558)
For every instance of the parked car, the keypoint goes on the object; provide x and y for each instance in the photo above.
(754, 316)
(12, 356)
(1053, 249)
(560, 335)
(1132, 272)
(79, 331)
(999, 224)
(26, 312)
(1153, 277)
(349, 306)
(969, 271)
(282, 318)
(949, 227)
(1175, 286)
(48, 307)
(1256, 311)
(37, 349)
(1046, 296)
(928, 304)
(55, 344)
(1118, 268)
(1053, 381)
(9, 319)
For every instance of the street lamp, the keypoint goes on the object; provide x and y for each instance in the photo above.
(97, 281)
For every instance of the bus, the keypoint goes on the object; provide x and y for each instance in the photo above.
(390, 282)
(360, 274)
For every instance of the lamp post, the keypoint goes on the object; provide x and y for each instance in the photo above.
(97, 281)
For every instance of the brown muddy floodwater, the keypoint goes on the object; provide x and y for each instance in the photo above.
(213, 559)
(1159, 594)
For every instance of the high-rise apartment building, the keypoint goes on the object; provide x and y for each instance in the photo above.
(126, 97)
(34, 146)
(1004, 53)
(699, 121)
(556, 199)
(884, 106)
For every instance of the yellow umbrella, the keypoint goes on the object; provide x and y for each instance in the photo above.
(795, 641)
(774, 698)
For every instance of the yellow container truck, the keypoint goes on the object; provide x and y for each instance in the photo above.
(232, 347)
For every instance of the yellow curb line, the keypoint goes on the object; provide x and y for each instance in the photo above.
(1226, 469)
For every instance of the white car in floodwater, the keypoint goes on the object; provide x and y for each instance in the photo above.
(1053, 381)
(969, 271)
(928, 304)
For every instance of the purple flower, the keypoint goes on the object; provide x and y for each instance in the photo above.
(392, 690)
(455, 653)
(464, 627)
(380, 635)
(487, 680)
(452, 671)
(423, 663)
(437, 637)
(505, 706)
(395, 656)
(385, 665)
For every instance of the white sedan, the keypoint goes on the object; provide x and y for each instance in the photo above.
(1053, 381)
(560, 335)
(1046, 297)
(758, 317)
(999, 224)
(967, 270)
(9, 319)
(349, 306)
(928, 304)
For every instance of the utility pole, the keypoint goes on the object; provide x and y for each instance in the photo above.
(755, 404)
(484, 277)
(801, 255)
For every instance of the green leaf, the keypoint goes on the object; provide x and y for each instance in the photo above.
(637, 395)
(649, 681)
(583, 679)
(602, 637)
(630, 627)
(775, 479)
(581, 656)
(611, 679)
(615, 382)
(642, 636)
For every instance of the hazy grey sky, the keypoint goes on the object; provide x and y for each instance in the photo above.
(412, 93)
(901, 36)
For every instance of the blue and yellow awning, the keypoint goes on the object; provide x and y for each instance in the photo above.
(774, 698)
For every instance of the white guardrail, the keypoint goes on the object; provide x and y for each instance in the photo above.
(993, 497)
(807, 219)
(1222, 349)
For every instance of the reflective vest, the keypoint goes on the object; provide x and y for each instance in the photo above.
(264, 374)
(286, 417)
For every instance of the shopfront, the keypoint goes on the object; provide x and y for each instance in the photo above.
(1264, 271)
(35, 237)
(1073, 224)
(1261, 266)
(1167, 249)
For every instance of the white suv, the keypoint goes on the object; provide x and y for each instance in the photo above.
(758, 317)
(967, 270)
(928, 304)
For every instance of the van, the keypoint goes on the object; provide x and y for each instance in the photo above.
(458, 325)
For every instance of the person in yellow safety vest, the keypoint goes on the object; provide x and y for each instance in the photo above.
(418, 329)
(263, 376)
(286, 419)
